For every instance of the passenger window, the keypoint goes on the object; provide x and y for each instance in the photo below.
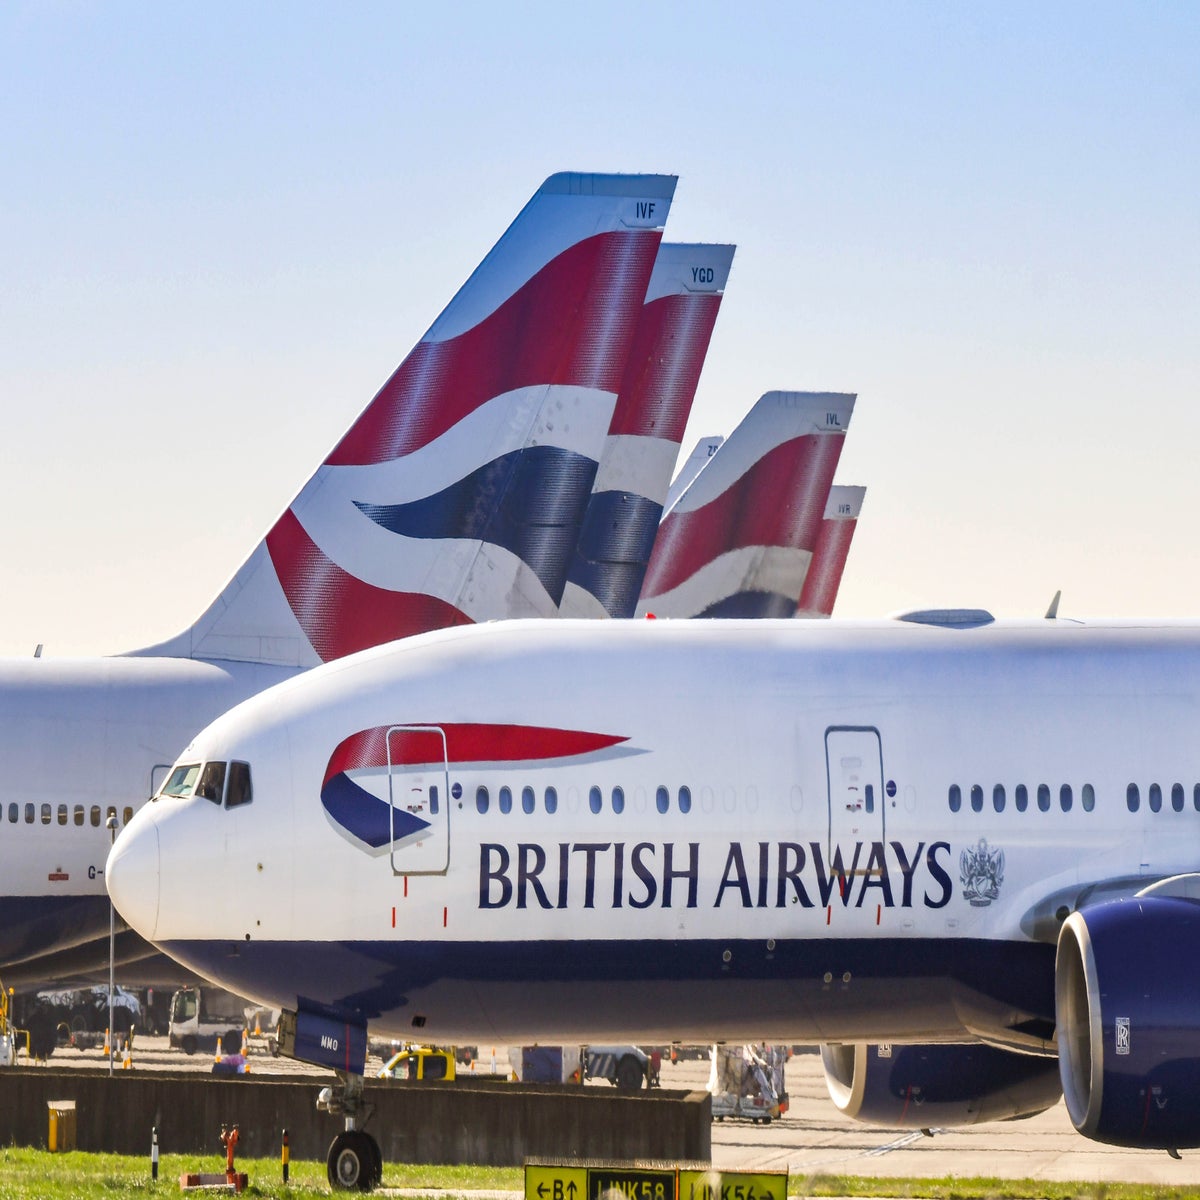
(1196, 797)
(595, 799)
(62, 814)
(211, 786)
(29, 814)
(1021, 797)
(527, 800)
(998, 797)
(685, 798)
(1133, 799)
(662, 799)
(110, 812)
(618, 799)
(79, 814)
(96, 816)
(433, 799)
(869, 797)
(481, 799)
(1043, 797)
(238, 790)
(47, 815)
(505, 800)
(1065, 798)
(1177, 797)
(976, 798)
(127, 816)
(1087, 797)
(551, 800)
(14, 812)
(1155, 798)
(955, 797)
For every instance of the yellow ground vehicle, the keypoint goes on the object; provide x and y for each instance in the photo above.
(420, 1063)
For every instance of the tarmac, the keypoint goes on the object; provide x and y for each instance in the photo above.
(813, 1138)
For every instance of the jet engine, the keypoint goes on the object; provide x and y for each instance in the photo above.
(1126, 982)
(914, 1087)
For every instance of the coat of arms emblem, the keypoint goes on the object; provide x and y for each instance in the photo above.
(981, 872)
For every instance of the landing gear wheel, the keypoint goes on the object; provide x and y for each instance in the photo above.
(630, 1076)
(354, 1162)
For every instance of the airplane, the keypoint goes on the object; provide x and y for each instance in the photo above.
(965, 843)
(738, 541)
(454, 497)
(824, 574)
(703, 450)
(661, 375)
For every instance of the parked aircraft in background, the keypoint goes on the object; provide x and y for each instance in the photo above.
(657, 391)
(454, 497)
(824, 574)
(739, 539)
(934, 829)
(703, 450)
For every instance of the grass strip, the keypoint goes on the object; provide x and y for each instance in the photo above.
(38, 1175)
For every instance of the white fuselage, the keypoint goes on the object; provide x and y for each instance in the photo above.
(711, 829)
(82, 739)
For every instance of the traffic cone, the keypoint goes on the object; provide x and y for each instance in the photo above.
(127, 1061)
(219, 1055)
(245, 1042)
(257, 1025)
(107, 1045)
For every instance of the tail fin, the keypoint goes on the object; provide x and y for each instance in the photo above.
(739, 540)
(457, 494)
(695, 462)
(656, 397)
(824, 575)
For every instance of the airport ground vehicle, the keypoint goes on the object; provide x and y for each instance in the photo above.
(422, 1064)
(747, 1082)
(199, 1016)
(625, 1067)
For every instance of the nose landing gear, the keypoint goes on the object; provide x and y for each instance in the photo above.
(354, 1162)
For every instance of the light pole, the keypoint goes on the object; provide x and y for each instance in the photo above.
(111, 825)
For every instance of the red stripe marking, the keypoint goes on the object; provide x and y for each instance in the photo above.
(664, 365)
(824, 576)
(572, 323)
(464, 744)
(779, 501)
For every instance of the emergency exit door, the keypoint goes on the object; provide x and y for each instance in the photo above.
(854, 761)
(419, 795)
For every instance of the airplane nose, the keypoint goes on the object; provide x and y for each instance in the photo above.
(132, 876)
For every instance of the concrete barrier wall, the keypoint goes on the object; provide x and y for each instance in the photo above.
(494, 1124)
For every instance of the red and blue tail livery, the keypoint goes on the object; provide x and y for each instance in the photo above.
(739, 540)
(458, 493)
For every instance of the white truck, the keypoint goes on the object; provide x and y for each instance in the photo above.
(199, 1016)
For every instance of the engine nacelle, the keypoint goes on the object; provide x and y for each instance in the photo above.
(914, 1087)
(1127, 981)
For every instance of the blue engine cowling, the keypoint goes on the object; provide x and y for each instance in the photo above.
(914, 1087)
(1128, 1028)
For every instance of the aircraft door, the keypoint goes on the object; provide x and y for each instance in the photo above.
(419, 792)
(854, 761)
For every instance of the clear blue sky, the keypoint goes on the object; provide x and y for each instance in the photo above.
(223, 225)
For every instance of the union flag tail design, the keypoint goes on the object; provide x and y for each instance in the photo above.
(458, 493)
(739, 540)
(824, 575)
(657, 391)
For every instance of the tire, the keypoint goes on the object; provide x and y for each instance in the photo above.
(376, 1160)
(189, 1043)
(630, 1076)
(350, 1164)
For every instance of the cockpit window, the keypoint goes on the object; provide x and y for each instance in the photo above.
(212, 782)
(182, 781)
(238, 791)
